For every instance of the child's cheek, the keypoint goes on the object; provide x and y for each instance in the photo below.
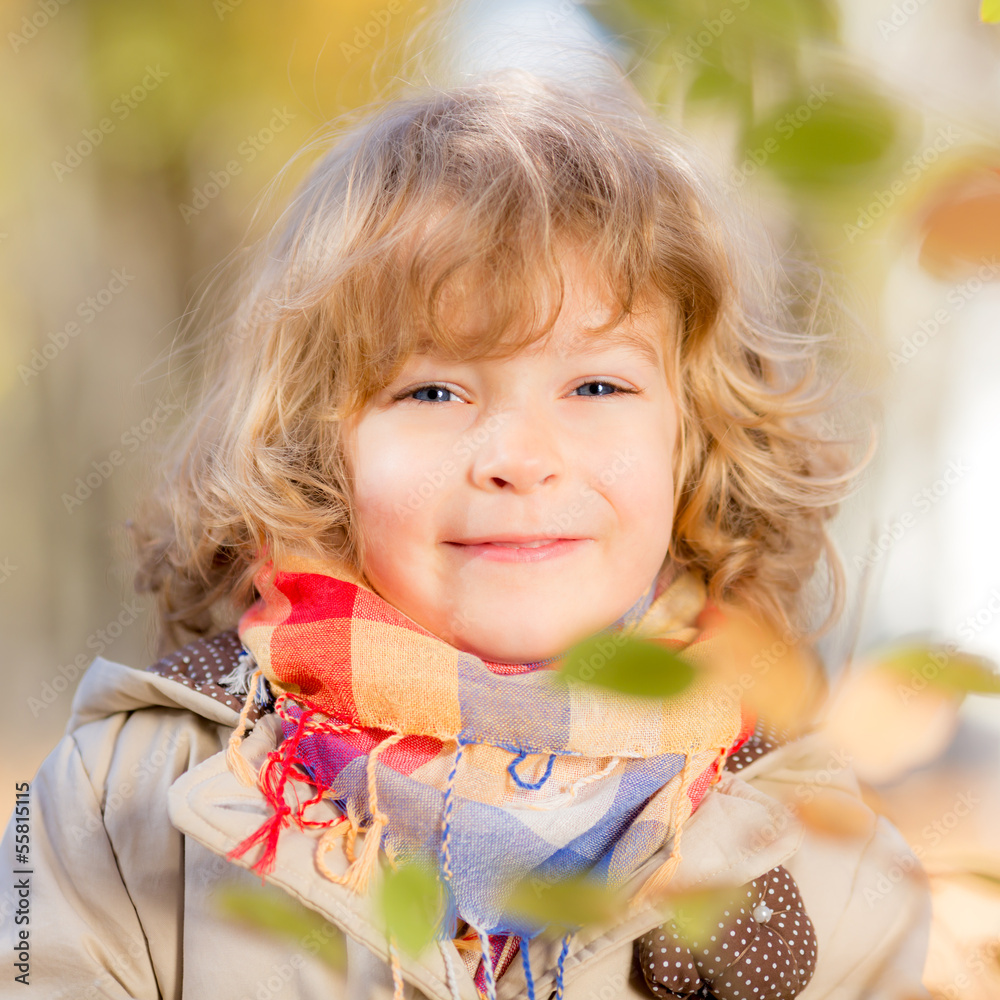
(396, 463)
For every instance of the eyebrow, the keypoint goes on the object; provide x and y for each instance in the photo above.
(619, 337)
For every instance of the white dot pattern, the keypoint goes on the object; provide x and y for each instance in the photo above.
(765, 737)
(200, 664)
(746, 958)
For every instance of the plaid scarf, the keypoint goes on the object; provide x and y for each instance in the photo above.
(492, 772)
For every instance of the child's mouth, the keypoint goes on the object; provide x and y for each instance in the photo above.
(527, 550)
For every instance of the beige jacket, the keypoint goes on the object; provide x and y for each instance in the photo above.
(134, 810)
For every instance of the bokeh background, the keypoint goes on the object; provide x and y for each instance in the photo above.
(142, 145)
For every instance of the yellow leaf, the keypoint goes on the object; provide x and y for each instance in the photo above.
(774, 675)
(989, 12)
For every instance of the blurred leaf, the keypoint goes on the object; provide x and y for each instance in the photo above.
(989, 11)
(713, 83)
(778, 678)
(696, 914)
(960, 230)
(567, 903)
(835, 815)
(629, 666)
(274, 912)
(409, 899)
(955, 673)
(828, 136)
(888, 723)
(821, 17)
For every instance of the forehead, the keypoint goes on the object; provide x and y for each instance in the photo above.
(579, 329)
(642, 342)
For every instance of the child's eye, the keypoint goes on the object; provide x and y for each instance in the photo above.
(611, 385)
(431, 387)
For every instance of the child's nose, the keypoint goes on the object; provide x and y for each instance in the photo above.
(521, 451)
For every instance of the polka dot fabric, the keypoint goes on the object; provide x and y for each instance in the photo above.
(764, 738)
(763, 946)
(201, 664)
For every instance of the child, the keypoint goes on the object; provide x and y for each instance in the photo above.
(509, 377)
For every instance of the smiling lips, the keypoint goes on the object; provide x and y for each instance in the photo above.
(518, 549)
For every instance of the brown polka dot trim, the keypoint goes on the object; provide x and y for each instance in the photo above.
(201, 664)
(765, 737)
(762, 947)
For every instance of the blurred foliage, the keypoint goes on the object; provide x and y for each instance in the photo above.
(563, 904)
(810, 121)
(839, 817)
(630, 666)
(842, 136)
(192, 86)
(211, 95)
(953, 671)
(274, 912)
(897, 709)
(409, 901)
(982, 879)
(698, 912)
(959, 227)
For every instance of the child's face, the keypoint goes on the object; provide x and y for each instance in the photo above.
(525, 446)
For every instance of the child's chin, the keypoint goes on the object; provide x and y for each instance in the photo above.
(530, 646)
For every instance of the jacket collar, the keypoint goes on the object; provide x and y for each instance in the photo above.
(721, 844)
(727, 841)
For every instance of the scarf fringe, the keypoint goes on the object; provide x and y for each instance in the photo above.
(450, 973)
(330, 834)
(561, 966)
(236, 762)
(362, 867)
(397, 972)
(282, 764)
(238, 680)
(484, 946)
(529, 979)
(659, 879)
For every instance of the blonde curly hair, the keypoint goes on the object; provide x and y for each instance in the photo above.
(486, 182)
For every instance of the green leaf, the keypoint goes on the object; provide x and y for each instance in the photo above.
(989, 12)
(275, 913)
(830, 135)
(629, 666)
(565, 904)
(713, 83)
(409, 900)
(955, 672)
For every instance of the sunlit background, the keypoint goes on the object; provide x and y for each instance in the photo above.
(139, 142)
